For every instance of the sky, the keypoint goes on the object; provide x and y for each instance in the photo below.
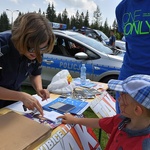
(107, 7)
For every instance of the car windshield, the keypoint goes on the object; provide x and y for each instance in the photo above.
(104, 37)
(93, 43)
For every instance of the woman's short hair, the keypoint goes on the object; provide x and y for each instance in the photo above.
(30, 31)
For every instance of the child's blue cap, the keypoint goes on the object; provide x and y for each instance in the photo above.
(137, 86)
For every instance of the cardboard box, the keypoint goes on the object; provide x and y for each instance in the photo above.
(18, 132)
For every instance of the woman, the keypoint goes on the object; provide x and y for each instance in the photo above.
(21, 56)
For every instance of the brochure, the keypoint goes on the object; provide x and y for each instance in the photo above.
(51, 122)
(69, 105)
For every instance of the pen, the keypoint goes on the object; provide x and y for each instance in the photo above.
(24, 107)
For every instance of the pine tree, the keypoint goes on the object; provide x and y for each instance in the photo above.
(106, 28)
(4, 22)
(86, 20)
(97, 18)
(64, 16)
(48, 12)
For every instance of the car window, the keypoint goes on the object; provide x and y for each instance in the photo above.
(67, 47)
(60, 47)
(103, 35)
(93, 43)
(90, 33)
(75, 48)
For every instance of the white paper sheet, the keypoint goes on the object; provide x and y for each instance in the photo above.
(51, 115)
(18, 106)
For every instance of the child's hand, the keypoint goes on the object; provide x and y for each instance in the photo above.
(68, 119)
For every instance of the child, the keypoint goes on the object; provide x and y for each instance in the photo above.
(129, 130)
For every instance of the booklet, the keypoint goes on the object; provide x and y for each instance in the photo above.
(67, 105)
(62, 107)
(48, 118)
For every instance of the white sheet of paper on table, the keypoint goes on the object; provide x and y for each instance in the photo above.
(17, 107)
(51, 115)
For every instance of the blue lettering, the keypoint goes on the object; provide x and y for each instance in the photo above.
(61, 64)
(70, 66)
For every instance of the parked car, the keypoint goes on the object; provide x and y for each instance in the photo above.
(118, 43)
(102, 37)
(99, 60)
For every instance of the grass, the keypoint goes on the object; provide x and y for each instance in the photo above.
(104, 138)
(28, 89)
(88, 113)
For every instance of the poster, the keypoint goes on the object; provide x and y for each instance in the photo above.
(104, 105)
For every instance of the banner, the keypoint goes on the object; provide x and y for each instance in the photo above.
(71, 137)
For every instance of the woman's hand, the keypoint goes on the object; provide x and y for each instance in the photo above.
(37, 85)
(43, 93)
(30, 102)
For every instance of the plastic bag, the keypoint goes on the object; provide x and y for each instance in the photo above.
(61, 83)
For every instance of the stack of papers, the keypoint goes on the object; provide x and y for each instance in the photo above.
(85, 93)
